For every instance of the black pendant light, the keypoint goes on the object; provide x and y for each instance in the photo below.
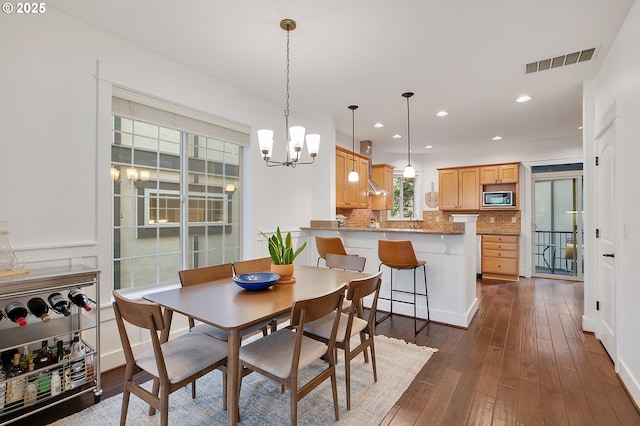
(353, 175)
(409, 171)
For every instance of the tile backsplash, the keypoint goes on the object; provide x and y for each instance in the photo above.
(496, 221)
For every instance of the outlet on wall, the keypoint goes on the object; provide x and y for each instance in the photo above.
(514, 219)
(437, 218)
(492, 219)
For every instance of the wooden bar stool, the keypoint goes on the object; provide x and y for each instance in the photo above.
(400, 255)
(328, 245)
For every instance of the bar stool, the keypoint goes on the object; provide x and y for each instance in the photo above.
(400, 255)
(328, 245)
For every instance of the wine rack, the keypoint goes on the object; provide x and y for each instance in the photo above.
(78, 373)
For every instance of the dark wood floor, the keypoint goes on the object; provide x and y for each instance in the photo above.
(523, 361)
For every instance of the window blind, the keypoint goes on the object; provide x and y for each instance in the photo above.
(131, 104)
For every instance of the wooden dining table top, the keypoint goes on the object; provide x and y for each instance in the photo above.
(226, 305)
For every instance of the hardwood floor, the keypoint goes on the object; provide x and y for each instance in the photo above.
(523, 361)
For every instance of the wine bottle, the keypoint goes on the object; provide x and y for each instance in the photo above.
(39, 308)
(60, 304)
(17, 313)
(16, 387)
(79, 297)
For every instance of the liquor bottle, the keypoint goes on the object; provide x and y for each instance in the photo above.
(17, 313)
(59, 304)
(79, 297)
(56, 384)
(39, 308)
(45, 356)
(24, 358)
(15, 387)
(60, 355)
(78, 367)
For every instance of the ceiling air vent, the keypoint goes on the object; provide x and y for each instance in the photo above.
(560, 61)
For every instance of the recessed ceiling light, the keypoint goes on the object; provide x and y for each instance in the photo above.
(442, 114)
(396, 136)
(523, 98)
(496, 138)
(428, 147)
(378, 125)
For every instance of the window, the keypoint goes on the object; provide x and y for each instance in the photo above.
(403, 198)
(175, 201)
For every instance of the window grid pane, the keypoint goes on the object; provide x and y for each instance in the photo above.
(146, 193)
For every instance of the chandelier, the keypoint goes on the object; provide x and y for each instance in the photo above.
(294, 135)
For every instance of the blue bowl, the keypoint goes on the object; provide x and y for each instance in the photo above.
(256, 281)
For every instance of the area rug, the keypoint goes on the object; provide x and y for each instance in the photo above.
(262, 403)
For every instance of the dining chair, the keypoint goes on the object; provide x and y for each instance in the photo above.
(173, 364)
(347, 262)
(189, 277)
(326, 245)
(357, 321)
(281, 355)
(400, 255)
(262, 264)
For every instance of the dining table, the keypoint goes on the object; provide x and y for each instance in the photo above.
(224, 304)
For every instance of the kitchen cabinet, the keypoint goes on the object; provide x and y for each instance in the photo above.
(77, 372)
(500, 255)
(382, 175)
(351, 195)
(499, 173)
(459, 188)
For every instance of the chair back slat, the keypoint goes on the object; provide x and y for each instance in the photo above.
(138, 312)
(397, 254)
(316, 307)
(202, 275)
(254, 265)
(363, 286)
(347, 262)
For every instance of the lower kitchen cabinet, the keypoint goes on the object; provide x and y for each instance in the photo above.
(500, 255)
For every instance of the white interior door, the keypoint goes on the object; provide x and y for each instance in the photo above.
(605, 243)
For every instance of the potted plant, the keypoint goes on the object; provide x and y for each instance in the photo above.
(282, 254)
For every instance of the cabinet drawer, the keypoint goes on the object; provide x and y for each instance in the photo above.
(500, 266)
(499, 246)
(511, 239)
(499, 254)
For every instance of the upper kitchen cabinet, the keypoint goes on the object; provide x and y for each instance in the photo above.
(382, 175)
(459, 188)
(351, 195)
(499, 173)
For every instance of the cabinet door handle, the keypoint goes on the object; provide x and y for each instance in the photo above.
(608, 255)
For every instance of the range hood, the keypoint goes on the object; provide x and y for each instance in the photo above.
(366, 149)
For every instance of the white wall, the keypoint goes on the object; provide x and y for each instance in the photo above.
(55, 137)
(618, 81)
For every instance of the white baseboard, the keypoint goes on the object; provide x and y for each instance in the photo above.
(630, 382)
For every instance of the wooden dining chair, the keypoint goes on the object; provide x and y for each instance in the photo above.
(262, 264)
(346, 262)
(173, 364)
(356, 321)
(326, 245)
(281, 355)
(189, 277)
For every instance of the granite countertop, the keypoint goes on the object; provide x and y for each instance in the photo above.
(398, 230)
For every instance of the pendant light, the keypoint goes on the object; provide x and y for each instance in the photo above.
(353, 175)
(409, 171)
(294, 135)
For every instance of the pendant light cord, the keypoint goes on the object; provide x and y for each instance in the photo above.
(408, 129)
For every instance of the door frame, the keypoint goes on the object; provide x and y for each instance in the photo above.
(606, 123)
(559, 176)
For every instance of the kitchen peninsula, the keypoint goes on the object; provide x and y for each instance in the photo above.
(451, 266)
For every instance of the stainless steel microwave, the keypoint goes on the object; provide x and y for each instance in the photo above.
(497, 199)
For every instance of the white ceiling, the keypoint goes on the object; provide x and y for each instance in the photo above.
(464, 56)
